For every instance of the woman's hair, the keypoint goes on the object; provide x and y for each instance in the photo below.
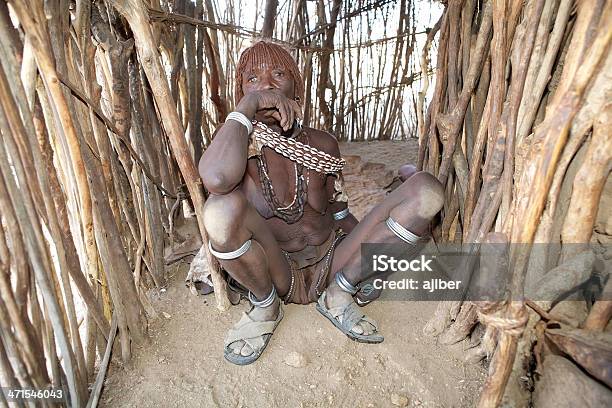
(268, 53)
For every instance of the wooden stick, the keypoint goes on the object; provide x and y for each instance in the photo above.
(529, 104)
(588, 184)
(269, 18)
(107, 122)
(45, 61)
(601, 312)
(19, 366)
(30, 223)
(555, 131)
(556, 126)
(31, 348)
(136, 15)
(503, 362)
(593, 351)
(520, 62)
(424, 87)
(449, 125)
(67, 257)
(97, 386)
(71, 252)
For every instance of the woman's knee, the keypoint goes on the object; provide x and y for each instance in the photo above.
(222, 215)
(430, 189)
(424, 194)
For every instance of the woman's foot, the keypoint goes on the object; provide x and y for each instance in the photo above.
(249, 337)
(340, 308)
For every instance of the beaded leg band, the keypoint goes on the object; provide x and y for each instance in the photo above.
(287, 297)
(232, 254)
(265, 302)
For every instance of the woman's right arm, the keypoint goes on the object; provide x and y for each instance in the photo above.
(223, 163)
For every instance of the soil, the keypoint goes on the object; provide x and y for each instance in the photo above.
(183, 365)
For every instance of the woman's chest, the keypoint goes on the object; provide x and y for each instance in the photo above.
(277, 182)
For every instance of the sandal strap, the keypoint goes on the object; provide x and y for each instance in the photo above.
(351, 315)
(371, 322)
(248, 329)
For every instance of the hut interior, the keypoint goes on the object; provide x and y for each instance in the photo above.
(107, 105)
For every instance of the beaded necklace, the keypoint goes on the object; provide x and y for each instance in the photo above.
(308, 156)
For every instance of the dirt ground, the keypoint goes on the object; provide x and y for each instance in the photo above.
(183, 364)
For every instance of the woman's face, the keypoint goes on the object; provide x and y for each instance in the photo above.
(269, 77)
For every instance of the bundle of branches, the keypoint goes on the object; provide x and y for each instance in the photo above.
(518, 131)
(89, 178)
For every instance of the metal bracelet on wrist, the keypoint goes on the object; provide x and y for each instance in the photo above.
(241, 118)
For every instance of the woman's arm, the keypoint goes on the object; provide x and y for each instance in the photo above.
(223, 163)
(338, 206)
(337, 197)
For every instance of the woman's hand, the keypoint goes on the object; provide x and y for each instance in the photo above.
(272, 104)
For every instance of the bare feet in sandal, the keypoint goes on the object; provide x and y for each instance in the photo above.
(249, 337)
(337, 299)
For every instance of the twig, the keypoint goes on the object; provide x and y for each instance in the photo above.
(545, 315)
(163, 16)
(353, 13)
(97, 388)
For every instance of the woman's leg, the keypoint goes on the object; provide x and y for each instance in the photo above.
(248, 251)
(411, 206)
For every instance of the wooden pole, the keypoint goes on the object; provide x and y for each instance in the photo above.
(136, 14)
(269, 18)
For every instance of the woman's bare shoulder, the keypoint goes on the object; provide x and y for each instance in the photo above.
(323, 140)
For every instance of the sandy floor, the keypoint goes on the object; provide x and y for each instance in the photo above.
(183, 364)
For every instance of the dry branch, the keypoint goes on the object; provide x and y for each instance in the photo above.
(593, 351)
(136, 15)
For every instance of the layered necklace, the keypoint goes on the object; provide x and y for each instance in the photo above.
(293, 211)
(303, 156)
(289, 213)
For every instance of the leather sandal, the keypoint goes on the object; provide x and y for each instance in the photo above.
(345, 318)
(254, 333)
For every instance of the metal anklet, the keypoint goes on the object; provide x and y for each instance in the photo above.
(263, 303)
(344, 284)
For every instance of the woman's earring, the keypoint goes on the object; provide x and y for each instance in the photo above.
(297, 120)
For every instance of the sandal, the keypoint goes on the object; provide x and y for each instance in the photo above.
(346, 317)
(256, 334)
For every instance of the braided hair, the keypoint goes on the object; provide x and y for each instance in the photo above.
(267, 53)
